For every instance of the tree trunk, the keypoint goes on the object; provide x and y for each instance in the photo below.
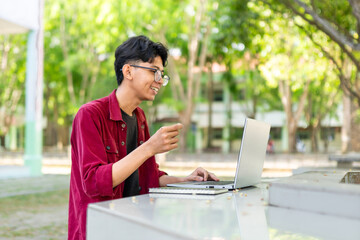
(314, 138)
(2, 141)
(355, 126)
(186, 121)
(292, 118)
(292, 137)
(346, 126)
(48, 128)
(210, 112)
(194, 79)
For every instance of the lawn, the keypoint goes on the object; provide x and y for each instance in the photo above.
(35, 216)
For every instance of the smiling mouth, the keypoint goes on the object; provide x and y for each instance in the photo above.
(155, 89)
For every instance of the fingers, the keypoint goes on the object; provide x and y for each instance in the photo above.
(204, 174)
(172, 134)
(213, 177)
(165, 139)
(169, 133)
(172, 128)
(170, 137)
(194, 178)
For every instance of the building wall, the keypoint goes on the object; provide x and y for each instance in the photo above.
(275, 118)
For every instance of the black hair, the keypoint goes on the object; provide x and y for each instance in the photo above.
(137, 48)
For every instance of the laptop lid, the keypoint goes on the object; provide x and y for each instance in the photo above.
(252, 153)
(250, 159)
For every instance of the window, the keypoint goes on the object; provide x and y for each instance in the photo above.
(217, 133)
(275, 133)
(218, 95)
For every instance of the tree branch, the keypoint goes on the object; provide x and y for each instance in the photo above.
(345, 81)
(356, 12)
(301, 105)
(203, 54)
(193, 50)
(176, 85)
(323, 24)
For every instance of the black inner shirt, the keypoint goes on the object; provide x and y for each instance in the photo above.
(131, 186)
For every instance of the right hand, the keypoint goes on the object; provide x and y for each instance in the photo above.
(201, 174)
(165, 139)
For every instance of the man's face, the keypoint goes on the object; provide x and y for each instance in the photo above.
(144, 79)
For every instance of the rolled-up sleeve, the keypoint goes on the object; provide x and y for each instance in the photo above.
(95, 170)
(161, 173)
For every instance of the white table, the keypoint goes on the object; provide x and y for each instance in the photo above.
(234, 215)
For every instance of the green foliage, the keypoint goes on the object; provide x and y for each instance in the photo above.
(258, 43)
(295, 59)
(12, 79)
(79, 37)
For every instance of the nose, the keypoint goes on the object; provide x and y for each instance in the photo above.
(161, 81)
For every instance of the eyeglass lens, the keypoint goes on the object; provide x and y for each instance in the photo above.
(158, 77)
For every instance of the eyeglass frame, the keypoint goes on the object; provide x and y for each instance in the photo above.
(162, 76)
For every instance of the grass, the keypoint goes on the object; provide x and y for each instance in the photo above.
(37, 216)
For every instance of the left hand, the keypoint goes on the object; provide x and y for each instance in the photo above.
(200, 174)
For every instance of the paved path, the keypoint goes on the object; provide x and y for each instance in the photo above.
(276, 165)
(56, 168)
(183, 164)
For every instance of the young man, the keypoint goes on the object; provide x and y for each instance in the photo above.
(112, 152)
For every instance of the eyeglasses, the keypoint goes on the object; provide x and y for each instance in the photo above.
(158, 75)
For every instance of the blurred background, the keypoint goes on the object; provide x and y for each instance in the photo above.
(294, 64)
(228, 60)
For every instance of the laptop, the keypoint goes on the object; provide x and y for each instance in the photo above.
(250, 161)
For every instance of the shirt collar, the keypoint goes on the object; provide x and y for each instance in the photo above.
(114, 108)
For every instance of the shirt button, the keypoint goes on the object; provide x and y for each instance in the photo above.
(141, 142)
(139, 188)
(142, 126)
(123, 125)
(122, 143)
(108, 147)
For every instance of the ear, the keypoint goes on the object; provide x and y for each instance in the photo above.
(126, 70)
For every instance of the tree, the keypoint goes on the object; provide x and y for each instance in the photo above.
(79, 37)
(197, 32)
(291, 66)
(339, 21)
(12, 80)
(322, 102)
(236, 24)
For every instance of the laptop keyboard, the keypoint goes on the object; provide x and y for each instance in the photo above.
(214, 183)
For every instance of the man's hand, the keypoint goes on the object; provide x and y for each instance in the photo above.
(200, 174)
(165, 139)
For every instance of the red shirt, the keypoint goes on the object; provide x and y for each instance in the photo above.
(98, 140)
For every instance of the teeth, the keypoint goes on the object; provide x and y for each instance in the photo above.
(155, 89)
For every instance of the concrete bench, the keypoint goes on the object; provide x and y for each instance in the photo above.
(345, 160)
